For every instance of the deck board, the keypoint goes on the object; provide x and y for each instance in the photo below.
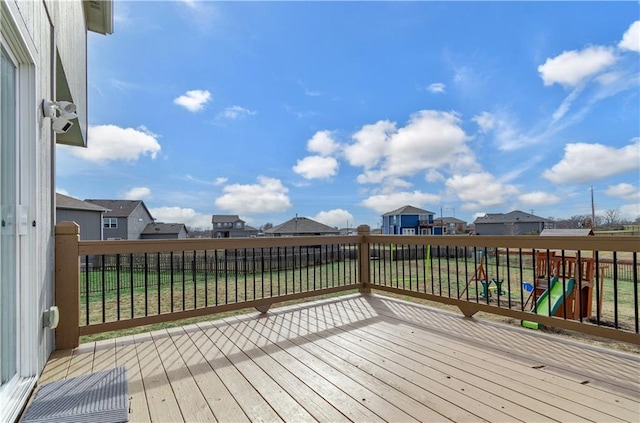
(224, 406)
(361, 358)
(127, 356)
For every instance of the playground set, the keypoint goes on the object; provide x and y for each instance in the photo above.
(563, 286)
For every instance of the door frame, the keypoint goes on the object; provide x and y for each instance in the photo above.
(15, 393)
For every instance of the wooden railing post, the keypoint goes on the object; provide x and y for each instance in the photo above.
(67, 284)
(364, 254)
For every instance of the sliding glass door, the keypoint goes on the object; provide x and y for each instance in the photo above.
(8, 234)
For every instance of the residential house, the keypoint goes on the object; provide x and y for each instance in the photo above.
(126, 219)
(165, 231)
(301, 226)
(87, 215)
(449, 226)
(43, 58)
(513, 223)
(231, 226)
(408, 220)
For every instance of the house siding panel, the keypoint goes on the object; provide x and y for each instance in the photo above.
(90, 222)
(138, 220)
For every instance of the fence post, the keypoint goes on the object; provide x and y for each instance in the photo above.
(364, 255)
(67, 284)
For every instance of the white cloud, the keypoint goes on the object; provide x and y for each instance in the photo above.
(434, 176)
(625, 191)
(235, 112)
(436, 88)
(508, 135)
(609, 78)
(630, 211)
(138, 193)
(383, 203)
(479, 190)
(572, 67)
(316, 167)
(485, 121)
(539, 198)
(322, 143)
(187, 216)
(109, 142)
(566, 104)
(631, 38)
(267, 196)
(369, 146)
(338, 218)
(589, 162)
(220, 180)
(62, 191)
(193, 100)
(430, 139)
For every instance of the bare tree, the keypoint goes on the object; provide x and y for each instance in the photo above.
(266, 226)
(611, 218)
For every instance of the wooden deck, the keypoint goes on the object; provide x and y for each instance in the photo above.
(361, 358)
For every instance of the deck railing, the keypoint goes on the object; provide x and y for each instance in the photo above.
(111, 285)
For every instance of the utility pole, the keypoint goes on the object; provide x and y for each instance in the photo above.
(593, 210)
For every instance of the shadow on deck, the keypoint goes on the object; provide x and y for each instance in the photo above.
(361, 358)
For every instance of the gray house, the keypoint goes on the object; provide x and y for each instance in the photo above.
(301, 226)
(87, 215)
(231, 226)
(126, 219)
(449, 226)
(165, 231)
(512, 223)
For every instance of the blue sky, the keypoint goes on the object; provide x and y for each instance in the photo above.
(343, 111)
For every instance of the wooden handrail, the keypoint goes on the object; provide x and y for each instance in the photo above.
(69, 250)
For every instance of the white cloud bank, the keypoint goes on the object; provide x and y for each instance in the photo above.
(316, 167)
(572, 67)
(430, 139)
(539, 198)
(267, 196)
(138, 193)
(187, 216)
(193, 100)
(383, 203)
(320, 166)
(109, 142)
(338, 218)
(479, 190)
(589, 162)
(631, 38)
(625, 191)
(322, 143)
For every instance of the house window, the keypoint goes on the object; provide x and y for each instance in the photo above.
(239, 225)
(110, 222)
(408, 231)
(219, 225)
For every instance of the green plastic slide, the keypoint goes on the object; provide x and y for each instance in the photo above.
(554, 296)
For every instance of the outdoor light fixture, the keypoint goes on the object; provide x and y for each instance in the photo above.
(61, 113)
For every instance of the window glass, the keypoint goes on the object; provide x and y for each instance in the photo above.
(8, 202)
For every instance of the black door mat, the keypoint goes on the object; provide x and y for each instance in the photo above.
(98, 397)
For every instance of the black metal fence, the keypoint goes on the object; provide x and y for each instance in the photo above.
(117, 286)
(600, 288)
